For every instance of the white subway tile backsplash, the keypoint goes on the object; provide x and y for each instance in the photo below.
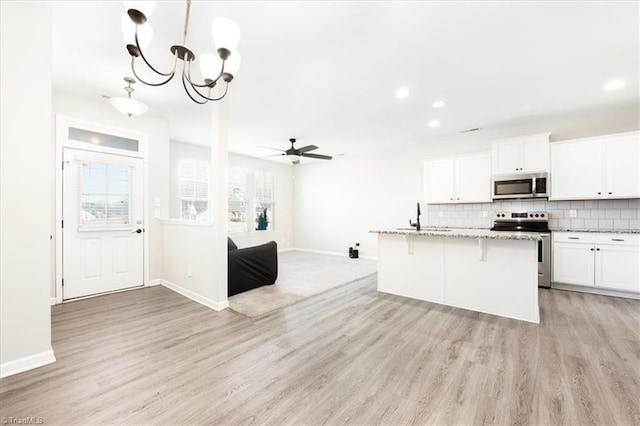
(577, 223)
(591, 224)
(584, 214)
(612, 214)
(628, 213)
(605, 223)
(621, 224)
(592, 214)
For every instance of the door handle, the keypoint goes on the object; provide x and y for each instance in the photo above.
(137, 231)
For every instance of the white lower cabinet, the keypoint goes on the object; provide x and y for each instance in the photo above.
(598, 260)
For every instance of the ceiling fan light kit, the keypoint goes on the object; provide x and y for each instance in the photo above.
(224, 66)
(127, 105)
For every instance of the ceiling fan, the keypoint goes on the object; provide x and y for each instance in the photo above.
(294, 153)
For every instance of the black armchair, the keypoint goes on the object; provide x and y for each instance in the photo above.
(251, 267)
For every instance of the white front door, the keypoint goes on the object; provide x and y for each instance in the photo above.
(103, 245)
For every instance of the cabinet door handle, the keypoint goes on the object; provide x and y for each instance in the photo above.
(617, 239)
(574, 238)
(610, 193)
(591, 249)
(598, 249)
(599, 193)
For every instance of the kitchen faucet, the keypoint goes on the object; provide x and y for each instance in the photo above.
(417, 222)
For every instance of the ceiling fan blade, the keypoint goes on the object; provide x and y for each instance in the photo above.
(307, 148)
(295, 162)
(268, 147)
(318, 156)
(273, 155)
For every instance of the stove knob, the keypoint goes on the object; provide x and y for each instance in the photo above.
(531, 215)
(542, 215)
(502, 214)
(536, 214)
(497, 214)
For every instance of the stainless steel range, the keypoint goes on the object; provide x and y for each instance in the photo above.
(534, 221)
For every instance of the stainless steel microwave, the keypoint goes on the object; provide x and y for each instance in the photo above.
(524, 185)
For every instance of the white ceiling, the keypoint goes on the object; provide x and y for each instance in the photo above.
(326, 72)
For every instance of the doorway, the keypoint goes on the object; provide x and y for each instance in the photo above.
(101, 193)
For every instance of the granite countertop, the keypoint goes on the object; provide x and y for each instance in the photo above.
(464, 233)
(602, 231)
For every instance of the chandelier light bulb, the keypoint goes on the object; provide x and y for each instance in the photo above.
(232, 64)
(145, 32)
(143, 6)
(210, 65)
(226, 34)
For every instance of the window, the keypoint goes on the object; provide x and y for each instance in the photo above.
(194, 190)
(105, 196)
(264, 186)
(251, 199)
(237, 196)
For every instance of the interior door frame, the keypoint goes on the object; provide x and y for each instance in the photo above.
(63, 123)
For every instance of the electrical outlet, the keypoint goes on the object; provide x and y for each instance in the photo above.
(573, 213)
(440, 214)
(156, 203)
(189, 271)
(485, 214)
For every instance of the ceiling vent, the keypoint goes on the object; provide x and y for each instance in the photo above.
(475, 129)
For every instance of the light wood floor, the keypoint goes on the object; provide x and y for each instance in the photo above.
(347, 356)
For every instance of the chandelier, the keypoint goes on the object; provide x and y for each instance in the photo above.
(224, 65)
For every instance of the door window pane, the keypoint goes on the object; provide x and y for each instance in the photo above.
(105, 196)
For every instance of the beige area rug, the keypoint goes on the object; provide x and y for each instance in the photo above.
(300, 276)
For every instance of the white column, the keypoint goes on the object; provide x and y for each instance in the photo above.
(219, 162)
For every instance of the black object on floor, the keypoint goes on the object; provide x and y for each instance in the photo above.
(251, 267)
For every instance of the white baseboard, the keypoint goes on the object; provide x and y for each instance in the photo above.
(54, 301)
(286, 249)
(217, 306)
(27, 363)
(332, 253)
(596, 290)
(155, 282)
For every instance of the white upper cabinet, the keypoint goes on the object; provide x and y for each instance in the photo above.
(593, 168)
(623, 166)
(464, 179)
(439, 185)
(525, 154)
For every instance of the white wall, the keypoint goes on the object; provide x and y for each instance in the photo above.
(26, 167)
(100, 111)
(284, 217)
(337, 202)
(195, 255)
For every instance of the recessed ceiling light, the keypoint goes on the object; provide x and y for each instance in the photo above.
(438, 104)
(402, 93)
(434, 123)
(615, 85)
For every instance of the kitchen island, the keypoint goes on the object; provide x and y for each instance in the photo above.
(476, 269)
